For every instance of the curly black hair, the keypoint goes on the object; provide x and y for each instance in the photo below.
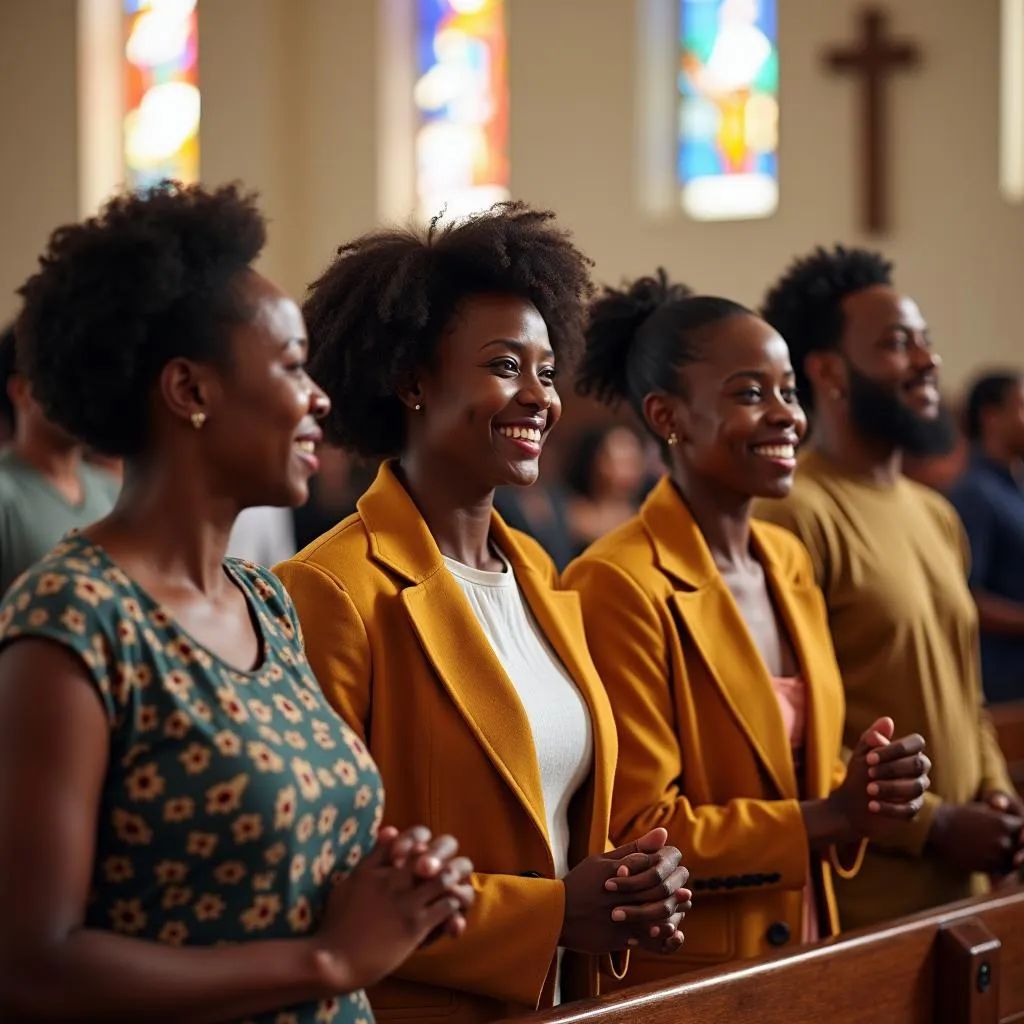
(639, 336)
(805, 304)
(377, 313)
(989, 391)
(153, 277)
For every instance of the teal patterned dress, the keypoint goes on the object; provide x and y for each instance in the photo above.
(232, 799)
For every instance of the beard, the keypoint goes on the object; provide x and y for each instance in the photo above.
(879, 415)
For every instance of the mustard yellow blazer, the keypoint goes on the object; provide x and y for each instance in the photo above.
(703, 750)
(401, 657)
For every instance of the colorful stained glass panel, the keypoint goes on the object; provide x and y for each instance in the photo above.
(727, 161)
(161, 72)
(462, 102)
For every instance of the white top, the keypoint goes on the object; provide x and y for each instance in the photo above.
(558, 714)
(263, 535)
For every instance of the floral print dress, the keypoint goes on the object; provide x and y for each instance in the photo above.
(232, 799)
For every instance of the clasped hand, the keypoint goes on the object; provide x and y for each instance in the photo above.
(409, 891)
(631, 896)
(986, 835)
(885, 782)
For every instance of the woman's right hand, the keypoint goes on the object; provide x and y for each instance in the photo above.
(383, 912)
(630, 896)
(885, 781)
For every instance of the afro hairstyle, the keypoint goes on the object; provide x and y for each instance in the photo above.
(153, 277)
(378, 312)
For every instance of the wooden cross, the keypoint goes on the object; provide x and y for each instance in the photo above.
(873, 58)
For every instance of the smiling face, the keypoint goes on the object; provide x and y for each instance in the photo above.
(892, 372)
(489, 401)
(261, 430)
(738, 420)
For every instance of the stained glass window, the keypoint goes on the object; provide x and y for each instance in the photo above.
(161, 122)
(462, 102)
(727, 160)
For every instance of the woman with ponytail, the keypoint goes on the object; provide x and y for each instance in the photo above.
(713, 642)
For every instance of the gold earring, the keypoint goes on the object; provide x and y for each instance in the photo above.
(672, 439)
(198, 419)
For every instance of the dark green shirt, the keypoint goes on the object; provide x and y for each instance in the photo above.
(232, 798)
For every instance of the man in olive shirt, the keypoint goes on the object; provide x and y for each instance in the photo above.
(891, 559)
(46, 489)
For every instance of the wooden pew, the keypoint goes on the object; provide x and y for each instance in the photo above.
(1009, 723)
(963, 964)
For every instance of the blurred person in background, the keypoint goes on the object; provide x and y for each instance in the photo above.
(606, 473)
(46, 488)
(264, 535)
(541, 512)
(990, 500)
(114, 468)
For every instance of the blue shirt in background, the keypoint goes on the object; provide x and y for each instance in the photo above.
(991, 506)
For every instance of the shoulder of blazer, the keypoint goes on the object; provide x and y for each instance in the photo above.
(387, 536)
(340, 550)
(627, 546)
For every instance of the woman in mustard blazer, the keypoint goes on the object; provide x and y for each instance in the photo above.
(713, 642)
(437, 632)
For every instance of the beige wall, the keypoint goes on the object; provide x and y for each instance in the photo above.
(38, 135)
(289, 105)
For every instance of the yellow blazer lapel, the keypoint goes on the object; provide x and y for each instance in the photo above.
(708, 613)
(453, 641)
(800, 605)
(560, 617)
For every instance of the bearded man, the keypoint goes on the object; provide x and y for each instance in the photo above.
(891, 558)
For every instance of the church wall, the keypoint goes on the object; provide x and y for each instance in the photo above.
(38, 133)
(290, 106)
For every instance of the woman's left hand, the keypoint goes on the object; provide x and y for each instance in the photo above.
(651, 883)
(433, 856)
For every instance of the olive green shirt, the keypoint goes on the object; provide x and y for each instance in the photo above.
(892, 562)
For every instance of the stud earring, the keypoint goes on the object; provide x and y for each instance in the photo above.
(198, 419)
(417, 407)
(672, 439)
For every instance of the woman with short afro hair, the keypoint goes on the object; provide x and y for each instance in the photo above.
(438, 633)
(176, 798)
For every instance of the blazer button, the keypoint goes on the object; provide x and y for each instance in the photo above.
(778, 933)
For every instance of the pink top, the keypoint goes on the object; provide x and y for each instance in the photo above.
(791, 693)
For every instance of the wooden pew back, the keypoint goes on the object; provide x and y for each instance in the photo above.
(936, 968)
